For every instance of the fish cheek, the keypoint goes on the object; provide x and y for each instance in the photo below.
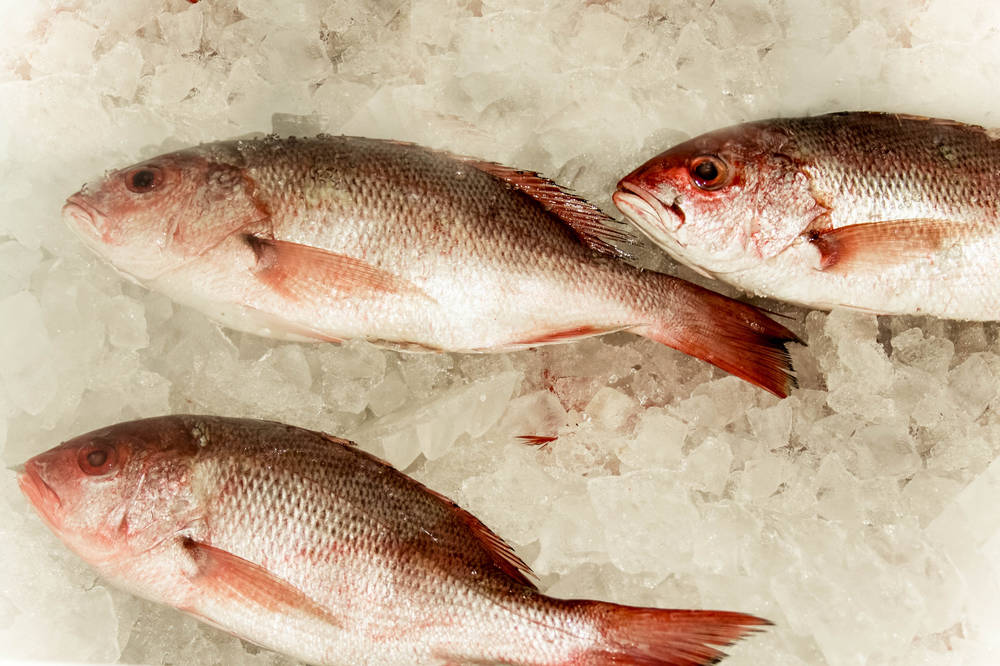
(785, 207)
(224, 202)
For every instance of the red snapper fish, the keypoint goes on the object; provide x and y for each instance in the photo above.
(299, 542)
(332, 238)
(886, 213)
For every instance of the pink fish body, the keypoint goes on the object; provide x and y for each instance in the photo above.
(299, 542)
(334, 238)
(886, 213)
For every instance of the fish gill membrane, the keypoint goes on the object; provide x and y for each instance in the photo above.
(858, 514)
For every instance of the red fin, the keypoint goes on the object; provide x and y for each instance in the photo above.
(232, 577)
(876, 245)
(337, 440)
(595, 229)
(298, 271)
(734, 336)
(500, 552)
(653, 637)
(563, 335)
(537, 440)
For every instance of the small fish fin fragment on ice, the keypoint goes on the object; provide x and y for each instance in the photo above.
(598, 231)
(301, 272)
(877, 245)
(541, 441)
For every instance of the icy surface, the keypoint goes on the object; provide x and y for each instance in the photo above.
(859, 515)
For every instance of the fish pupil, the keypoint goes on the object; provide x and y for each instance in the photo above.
(143, 179)
(97, 457)
(706, 171)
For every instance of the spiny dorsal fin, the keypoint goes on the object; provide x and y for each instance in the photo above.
(500, 551)
(595, 229)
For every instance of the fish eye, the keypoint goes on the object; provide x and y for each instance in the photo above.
(709, 172)
(98, 459)
(144, 179)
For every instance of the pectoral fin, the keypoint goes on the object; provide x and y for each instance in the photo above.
(300, 272)
(228, 576)
(878, 245)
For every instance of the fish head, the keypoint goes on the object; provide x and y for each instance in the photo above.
(114, 493)
(722, 202)
(158, 215)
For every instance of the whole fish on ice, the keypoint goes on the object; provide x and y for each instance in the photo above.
(887, 213)
(333, 238)
(302, 543)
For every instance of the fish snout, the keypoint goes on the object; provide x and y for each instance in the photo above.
(82, 218)
(646, 208)
(31, 481)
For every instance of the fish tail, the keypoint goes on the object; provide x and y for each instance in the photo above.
(655, 637)
(729, 334)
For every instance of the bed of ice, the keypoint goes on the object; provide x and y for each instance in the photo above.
(859, 515)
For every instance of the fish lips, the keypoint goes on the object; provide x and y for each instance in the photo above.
(40, 494)
(647, 209)
(85, 220)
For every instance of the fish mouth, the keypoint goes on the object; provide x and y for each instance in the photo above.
(39, 493)
(83, 218)
(648, 207)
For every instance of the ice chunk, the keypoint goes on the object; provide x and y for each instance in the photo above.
(26, 367)
(431, 427)
(539, 413)
(17, 263)
(634, 503)
(708, 466)
(926, 494)
(182, 30)
(126, 323)
(69, 46)
(120, 68)
(658, 442)
(610, 408)
(930, 354)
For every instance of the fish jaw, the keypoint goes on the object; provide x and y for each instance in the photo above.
(661, 223)
(40, 494)
(639, 203)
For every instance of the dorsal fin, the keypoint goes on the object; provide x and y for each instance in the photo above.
(500, 551)
(595, 229)
(598, 231)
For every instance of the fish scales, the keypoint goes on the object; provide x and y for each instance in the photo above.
(880, 212)
(302, 543)
(335, 238)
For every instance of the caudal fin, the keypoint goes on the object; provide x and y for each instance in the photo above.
(734, 336)
(653, 637)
